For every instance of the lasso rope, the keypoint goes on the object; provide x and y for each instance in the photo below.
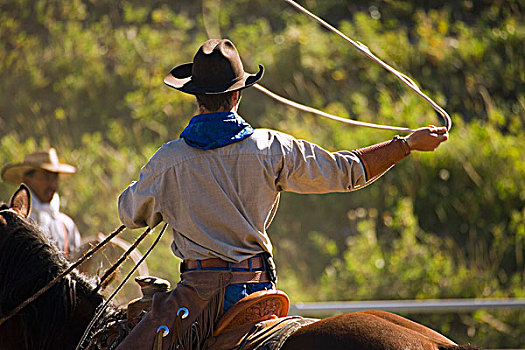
(365, 51)
(327, 115)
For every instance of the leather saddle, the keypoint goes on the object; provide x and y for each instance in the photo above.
(256, 307)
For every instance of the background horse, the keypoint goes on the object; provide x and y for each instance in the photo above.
(58, 318)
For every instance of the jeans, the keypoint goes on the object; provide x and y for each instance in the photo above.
(235, 292)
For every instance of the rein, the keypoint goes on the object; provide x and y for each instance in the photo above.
(365, 51)
(122, 258)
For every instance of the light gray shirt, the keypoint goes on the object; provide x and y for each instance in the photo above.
(59, 227)
(220, 202)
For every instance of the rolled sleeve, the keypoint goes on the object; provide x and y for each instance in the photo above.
(137, 205)
(309, 168)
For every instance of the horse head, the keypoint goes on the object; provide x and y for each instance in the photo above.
(28, 262)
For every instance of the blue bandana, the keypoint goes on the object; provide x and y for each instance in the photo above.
(214, 130)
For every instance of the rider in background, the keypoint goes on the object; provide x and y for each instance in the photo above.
(218, 187)
(40, 171)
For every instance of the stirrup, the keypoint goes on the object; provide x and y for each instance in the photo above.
(256, 307)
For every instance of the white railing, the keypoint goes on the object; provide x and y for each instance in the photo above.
(316, 309)
(321, 309)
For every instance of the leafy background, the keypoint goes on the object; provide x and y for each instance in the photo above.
(85, 76)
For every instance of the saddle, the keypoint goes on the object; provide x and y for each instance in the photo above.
(265, 335)
(254, 308)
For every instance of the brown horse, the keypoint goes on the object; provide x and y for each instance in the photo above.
(369, 330)
(58, 318)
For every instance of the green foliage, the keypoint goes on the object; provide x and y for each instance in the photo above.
(86, 78)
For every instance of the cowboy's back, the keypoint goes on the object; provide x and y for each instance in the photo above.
(220, 202)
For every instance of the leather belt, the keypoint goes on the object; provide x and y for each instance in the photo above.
(255, 263)
(236, 277)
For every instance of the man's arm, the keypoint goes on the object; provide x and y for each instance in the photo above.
(380, 157)
(138, 205)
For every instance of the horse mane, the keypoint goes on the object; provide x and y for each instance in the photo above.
(28, 261)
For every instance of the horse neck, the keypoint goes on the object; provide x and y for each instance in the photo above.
(39, 327)
(28, 261)
(68, 334)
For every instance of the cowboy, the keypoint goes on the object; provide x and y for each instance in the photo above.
(218, 185)
(41, 171)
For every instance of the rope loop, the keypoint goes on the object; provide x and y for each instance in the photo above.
(362, 48)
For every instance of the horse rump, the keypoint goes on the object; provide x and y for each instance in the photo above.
(459, 347)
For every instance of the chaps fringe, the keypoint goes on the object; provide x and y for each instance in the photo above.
(202, 327)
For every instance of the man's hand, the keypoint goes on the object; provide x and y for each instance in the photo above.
(427, 139)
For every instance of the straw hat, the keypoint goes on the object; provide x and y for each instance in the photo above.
(14, 173)
(216, 68)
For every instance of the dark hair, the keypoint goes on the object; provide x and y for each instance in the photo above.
(215, 102)
(30, 172)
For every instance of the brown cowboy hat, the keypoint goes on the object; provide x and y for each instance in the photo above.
(216, 68)
(39, 160)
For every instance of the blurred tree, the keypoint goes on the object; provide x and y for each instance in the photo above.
(86, 77)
